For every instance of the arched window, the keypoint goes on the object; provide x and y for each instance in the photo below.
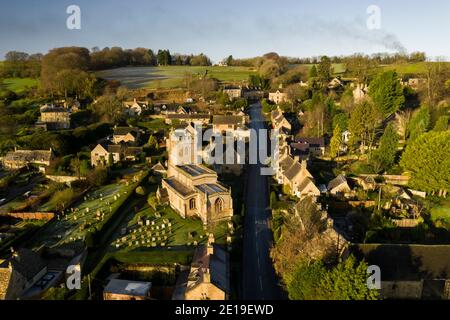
(192, 204)
(218, 205)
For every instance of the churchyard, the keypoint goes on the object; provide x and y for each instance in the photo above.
(150, 228)
(88, 215)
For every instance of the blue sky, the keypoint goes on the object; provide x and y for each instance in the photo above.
(244, 28)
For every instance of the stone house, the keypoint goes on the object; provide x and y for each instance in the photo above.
(19, 273)
(193, 190)
(233, 92)
(279, 122)
(208, 277)
(223, 123)
(129, 135)
(309, 147)
(54, 118)
(197, 118)
(278, 96)
(118, 289)
(296, 177)
(103, 153)
(135, 108)
(339, 186)
(18, 159)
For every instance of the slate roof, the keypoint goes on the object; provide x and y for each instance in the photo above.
(211, 188)
(123, 131)
(217, 264)
(26, 262)
(313, 142)
(194, 170)
(124, 149)
(179, 188)
(188, 116)
(228, 119)
(340, 179)
(29, 155)
(159, 167)
(54, 110)
(293, 170)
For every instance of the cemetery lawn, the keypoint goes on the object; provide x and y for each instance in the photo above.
(186, 233)
(177, 234)
(85, 216)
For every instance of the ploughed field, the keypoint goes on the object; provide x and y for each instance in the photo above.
(171, 76)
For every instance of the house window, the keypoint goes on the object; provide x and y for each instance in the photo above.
(218, 205)
(192, 204)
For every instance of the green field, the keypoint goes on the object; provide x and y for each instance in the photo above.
(338, 68)
(19, 84)
(410, 68)
(171, 76)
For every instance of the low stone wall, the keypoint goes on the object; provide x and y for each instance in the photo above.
(406, 223)
(390, 179)
(31, 215)
(64, 179)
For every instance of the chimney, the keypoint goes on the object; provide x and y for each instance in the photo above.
(206, 275)
(304, 164)
(210, 247)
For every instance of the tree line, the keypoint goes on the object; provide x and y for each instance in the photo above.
(21, 64)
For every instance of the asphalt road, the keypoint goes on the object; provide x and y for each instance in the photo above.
(259, 279)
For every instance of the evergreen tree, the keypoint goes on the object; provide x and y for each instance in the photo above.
(336, 142)
(442, 123)
(427, 158)
(346, 281)
(419, 123)
(387, 93)
(313, 72)
(362, 124)
(384, 157)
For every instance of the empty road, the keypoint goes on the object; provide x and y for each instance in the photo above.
(259, 279)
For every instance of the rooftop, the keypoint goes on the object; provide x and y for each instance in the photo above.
(229, 119)
(122, 131)
(126, 287)
(194, 170)
(211, 188)
(179, 187)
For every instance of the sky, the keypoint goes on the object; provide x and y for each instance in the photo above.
(242, 28)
